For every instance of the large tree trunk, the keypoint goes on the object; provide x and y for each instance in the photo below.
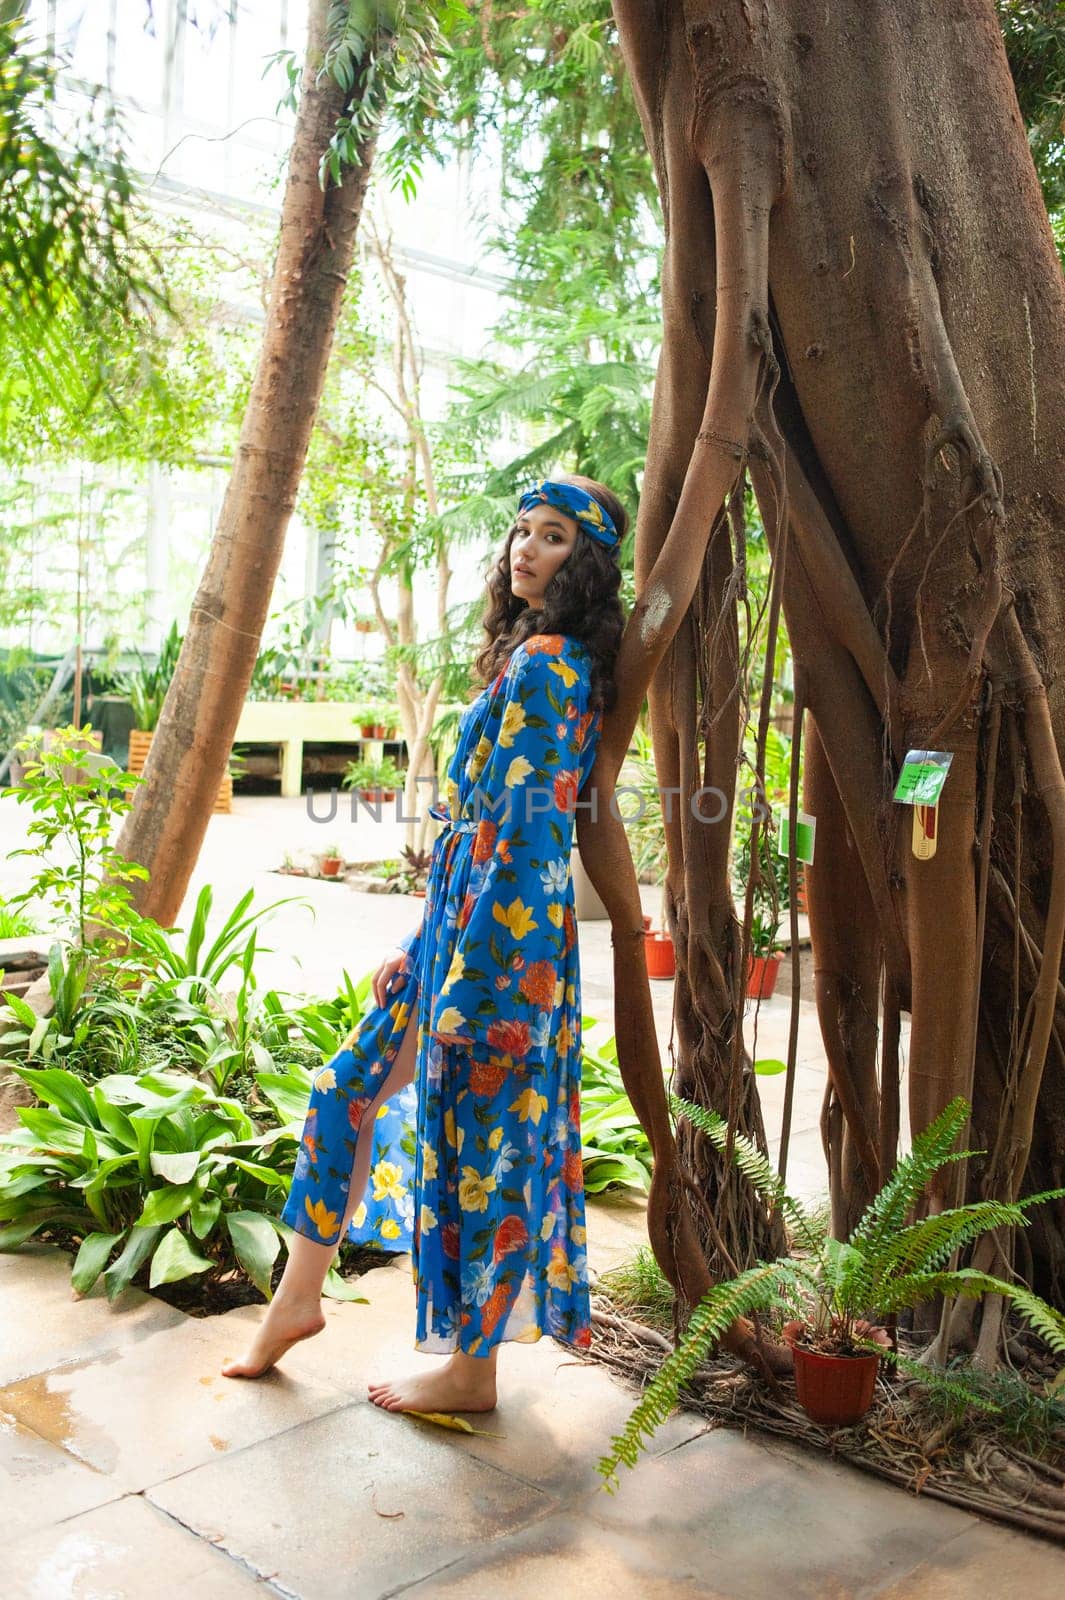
(190, 751)
(856, 234)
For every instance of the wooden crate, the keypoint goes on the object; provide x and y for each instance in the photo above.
(140, 742)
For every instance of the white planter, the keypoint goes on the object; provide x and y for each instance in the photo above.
(586, 901)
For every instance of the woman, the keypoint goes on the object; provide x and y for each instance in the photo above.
(465, 1077)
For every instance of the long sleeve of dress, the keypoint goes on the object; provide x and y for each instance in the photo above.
(516, 921)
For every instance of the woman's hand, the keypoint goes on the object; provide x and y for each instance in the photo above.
(386, 972)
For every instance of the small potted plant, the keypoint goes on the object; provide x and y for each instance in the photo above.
(373, 780)
(833, 1296)
(331, 861)
(370, 720)
(765, 958)
(658, 949)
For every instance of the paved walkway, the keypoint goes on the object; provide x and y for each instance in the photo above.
(129, 1468)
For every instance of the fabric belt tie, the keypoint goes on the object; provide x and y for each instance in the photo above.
(455, 824)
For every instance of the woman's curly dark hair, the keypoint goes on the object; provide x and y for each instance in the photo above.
(581, 600)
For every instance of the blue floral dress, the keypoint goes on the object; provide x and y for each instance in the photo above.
(476, 1165)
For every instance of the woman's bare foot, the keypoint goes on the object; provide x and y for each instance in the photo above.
(285, 1324)
(463, 1383)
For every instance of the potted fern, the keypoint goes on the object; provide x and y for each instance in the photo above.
(373, 780)
(831, 1295)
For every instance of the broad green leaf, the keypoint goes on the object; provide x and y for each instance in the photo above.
(256, 1245)
(61, 1089)
(92, 1259)
(180, 1167)
(166, 1205)
(770, 1067)
(204, 1214)
(175, 1258)
(139, 1245)
(338, 1288)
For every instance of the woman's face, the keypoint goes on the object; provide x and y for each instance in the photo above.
(543, 539)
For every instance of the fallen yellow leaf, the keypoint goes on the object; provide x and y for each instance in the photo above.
(443, 1419)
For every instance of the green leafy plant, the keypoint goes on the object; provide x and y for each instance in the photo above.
(411, 871)
(199, 964)
(373, 775)
(765, 932)
(76, 795)
(148, 686)
(15, 924)
(831, 1287)
(614, 1147)
(148, 1171)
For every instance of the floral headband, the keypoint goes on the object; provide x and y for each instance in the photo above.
(584, 508)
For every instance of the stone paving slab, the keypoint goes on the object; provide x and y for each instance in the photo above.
(160, 1406)
(43, 1322)
(561, 1556)
(749, 1519)
(41, 1484)
(556, 1413)
(986, 1560)
(317, 1507)
(124, 1551)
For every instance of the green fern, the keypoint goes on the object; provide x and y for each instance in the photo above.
(888, 1265)
(755, 1168)
(754, 1290)
(931, 1150)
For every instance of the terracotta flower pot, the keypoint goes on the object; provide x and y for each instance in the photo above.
(331, 866)
(834, 1390)
(762, 976)
(661, 960)
(372, 730)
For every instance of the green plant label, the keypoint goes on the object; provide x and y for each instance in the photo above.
(924, 772)
(805, 833)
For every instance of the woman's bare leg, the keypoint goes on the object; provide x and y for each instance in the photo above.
(295, 1311)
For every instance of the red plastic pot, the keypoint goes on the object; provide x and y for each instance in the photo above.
(762, 976)
(834, 1390)
(661, 961)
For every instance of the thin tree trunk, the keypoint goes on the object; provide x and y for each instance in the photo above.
(191, 747)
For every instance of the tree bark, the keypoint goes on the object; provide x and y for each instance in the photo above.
(191, 747)
(862, 306)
